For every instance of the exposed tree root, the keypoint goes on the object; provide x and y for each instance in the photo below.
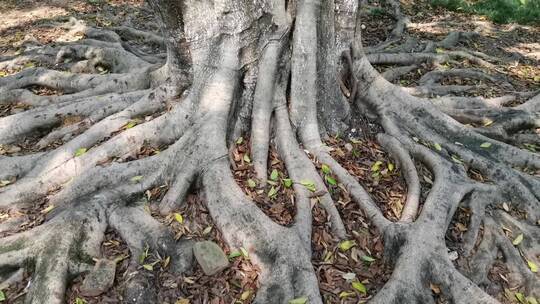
(117, 100)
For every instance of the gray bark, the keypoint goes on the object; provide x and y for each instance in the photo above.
(273, 70)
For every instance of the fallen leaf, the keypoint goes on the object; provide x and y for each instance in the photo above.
(346, 245)
(130, 124)
(325, 169)
(309, 185)
(437, 147)
(77, 301)
(234, 254)
(531, 300)
(137, 178)
(518, 240)
(207, 230)
(330, 180)
(367, 258)
(244, 252)
(274, 175)
(251, 183)
(532, 266)
(272, 193)
(520, 298)
(80, 152)
(349, 276)
(485, 145)
(457, 159)
(179, 218)
(287, 182)
(346, 294)
(245, 295)
(48, 209)
(359, 287)
(376, 166)
(301, 300)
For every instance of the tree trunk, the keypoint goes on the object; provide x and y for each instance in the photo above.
(284, 73)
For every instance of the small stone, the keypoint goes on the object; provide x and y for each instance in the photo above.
(363, 26)
(210, 256)
(100, 279)
(348, 147)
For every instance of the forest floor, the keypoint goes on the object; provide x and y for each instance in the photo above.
(336, 263)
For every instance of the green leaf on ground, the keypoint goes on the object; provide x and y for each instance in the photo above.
(301, 300)
(246, 158)
(240, 140)
(457, 159)
(2, 296)
(272, 193)
(137, 178)
(48, 209)
(518, 240)
(325, 169)
(245, 295)
(367, 258)
(244, 252)
(376, 166)
(346, 245)
(274, 175)
(179, 218)
(437, 147)
(234, 254)
(485, 145)
(521, 298)
(287, 182)
(80, 152)
(251, 183)
(308, 184)
(330, 180)
(130, 124)
(346, 294)
(532, 266)
(79, 301)
(531, 300)
(359, 287)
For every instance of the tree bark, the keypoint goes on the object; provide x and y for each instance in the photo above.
(286, 73)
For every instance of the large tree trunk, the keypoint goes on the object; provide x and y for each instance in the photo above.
(271, 69)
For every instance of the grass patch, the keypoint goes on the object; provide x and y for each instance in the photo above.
(500, 11)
